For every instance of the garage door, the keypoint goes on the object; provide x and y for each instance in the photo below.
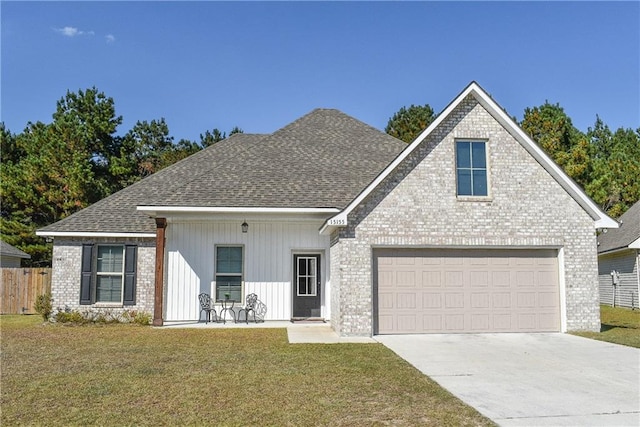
(465, 291)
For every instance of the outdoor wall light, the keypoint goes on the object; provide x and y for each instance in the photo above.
(245, 227)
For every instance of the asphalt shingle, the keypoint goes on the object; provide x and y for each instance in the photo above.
(8, 250)
(622, 237)
(322, 160)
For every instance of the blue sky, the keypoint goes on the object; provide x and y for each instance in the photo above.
(259, 66)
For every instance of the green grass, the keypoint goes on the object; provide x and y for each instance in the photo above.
(619, 325)
(134, 375)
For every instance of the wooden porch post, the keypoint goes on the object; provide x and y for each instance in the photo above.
(161, 225)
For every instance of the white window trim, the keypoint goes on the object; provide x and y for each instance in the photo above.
(215, 272)
(110, 273)
(473, 197)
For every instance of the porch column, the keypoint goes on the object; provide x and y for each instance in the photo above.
(161, 225)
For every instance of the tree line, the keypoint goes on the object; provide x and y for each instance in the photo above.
(605, 163)
(50, 171)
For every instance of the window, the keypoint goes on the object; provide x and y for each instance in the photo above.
(306, 273)
(471, 168)
(110, 274)
(229, 272)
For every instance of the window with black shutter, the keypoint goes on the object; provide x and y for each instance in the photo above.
(108, 274)
(130, 261)
(86, 287)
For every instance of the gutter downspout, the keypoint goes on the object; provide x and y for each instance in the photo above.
(613, 288)
(637, 280)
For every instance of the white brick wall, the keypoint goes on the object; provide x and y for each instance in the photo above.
(336, 277)
(417, 206)
(67, 259)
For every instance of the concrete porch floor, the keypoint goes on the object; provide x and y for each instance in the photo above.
(300, 332)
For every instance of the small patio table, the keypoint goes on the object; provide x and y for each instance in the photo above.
(226, 307)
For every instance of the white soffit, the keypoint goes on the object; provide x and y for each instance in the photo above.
(601, 219)
(209, 209)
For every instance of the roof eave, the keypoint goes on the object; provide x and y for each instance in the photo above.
(44, 233)
(21, 256)
(327, 229)
(601, 219)
(165, 210)
(615, 250)
(606, 221)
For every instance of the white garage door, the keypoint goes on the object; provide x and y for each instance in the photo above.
(466, 291)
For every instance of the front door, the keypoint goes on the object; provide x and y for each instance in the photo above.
(306, 286)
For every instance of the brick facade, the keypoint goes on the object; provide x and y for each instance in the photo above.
(67, 259)
(416, 205)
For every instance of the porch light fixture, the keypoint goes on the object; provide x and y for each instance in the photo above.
(245, 227)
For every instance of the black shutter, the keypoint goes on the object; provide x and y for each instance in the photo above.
(130, 261)
(85, 278)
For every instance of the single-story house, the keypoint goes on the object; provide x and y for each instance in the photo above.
(470, 228)
(10, 256)
(619, 261)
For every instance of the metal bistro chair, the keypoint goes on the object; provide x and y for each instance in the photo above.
(250, 305)
(206, 306)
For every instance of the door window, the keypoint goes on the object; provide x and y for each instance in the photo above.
(307, 279)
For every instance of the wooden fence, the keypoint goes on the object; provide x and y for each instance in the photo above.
(20, 287)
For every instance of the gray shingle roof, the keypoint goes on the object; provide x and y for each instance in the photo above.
(622, 237)
(322, 160)
(8, 250)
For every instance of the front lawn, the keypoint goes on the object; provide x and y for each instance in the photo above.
(619, 325)
(134, 375)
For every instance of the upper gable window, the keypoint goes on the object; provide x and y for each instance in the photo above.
(471, 168)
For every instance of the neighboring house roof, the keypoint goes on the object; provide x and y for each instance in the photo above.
(6, 250)
(601, 219)
(627, 236)
(322, 160)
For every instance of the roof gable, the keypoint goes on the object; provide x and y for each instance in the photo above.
(473, 89)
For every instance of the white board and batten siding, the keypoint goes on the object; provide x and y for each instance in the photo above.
(628, 289)
(268, 263)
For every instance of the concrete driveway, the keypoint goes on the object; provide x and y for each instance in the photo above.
(531, 379)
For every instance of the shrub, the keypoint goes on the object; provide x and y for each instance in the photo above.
(43, 306)
(142, 318)
(138, 317)
(67, 315)
(103, 317)
(71, 317)
(127, 316)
